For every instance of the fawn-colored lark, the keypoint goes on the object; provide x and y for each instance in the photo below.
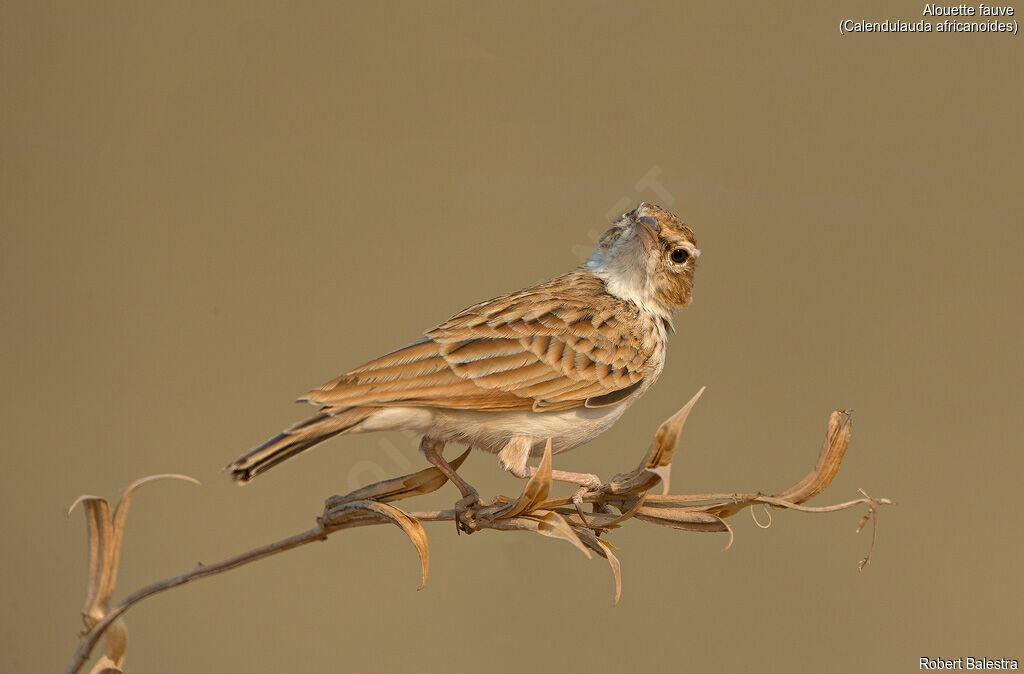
(561, 360)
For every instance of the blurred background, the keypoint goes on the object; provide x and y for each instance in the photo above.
(208, 210)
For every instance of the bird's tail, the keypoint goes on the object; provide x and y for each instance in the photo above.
(291, 441)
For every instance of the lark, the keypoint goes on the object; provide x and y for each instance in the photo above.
(558, 361)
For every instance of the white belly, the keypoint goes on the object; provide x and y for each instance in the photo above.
(492, 431)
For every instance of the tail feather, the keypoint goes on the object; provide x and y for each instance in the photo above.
(294, 440)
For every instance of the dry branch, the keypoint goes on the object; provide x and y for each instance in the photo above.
(627, 496)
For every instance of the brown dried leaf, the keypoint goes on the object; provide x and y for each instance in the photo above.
(666, 439)
(638, 481)
(120, 515)
(535, 492)
(105, 535)
(837, 439)
(554, 525)
(415, 484)
(115, 644)
(657, 464)
(98, 529)
(682, 518)
(629, 512)
(545, 523)
(594, 520)
(409, 524)
(604, 548)
(613, 562)
(105, 666)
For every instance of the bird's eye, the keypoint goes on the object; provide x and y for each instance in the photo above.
(680, 255)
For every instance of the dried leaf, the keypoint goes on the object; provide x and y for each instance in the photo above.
(544, 522)
(115, 643)
(629, 512)
(81, 499)
(613, 562)
(657, 464)
(120, 516)
(682, 518)
(596, 520)
(409, 524)
(554, 525)
(604, 548)
(732, 536)
(114, 647)
(105, 666)
(837, 439)
(98, 529)
(599, 520)
(638, 481)
(415, 484)
(105, 534)
(666, 439)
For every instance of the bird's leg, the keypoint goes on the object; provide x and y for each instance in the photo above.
(586, 482)
(516, 453)
(431, 449)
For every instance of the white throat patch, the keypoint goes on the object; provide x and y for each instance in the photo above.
(624, 273)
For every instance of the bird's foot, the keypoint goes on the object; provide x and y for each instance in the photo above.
(577, 500)
(591, 484)
(465, 512)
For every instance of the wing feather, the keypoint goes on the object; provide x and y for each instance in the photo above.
(559, 345)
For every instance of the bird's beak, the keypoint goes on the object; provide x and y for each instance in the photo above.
(647, 229)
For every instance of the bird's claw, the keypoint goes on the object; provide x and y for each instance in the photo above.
(587, 484)
(465, 513)
(577, 500)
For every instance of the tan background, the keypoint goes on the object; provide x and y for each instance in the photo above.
(208, 211)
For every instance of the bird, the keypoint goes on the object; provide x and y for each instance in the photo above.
(556, 363)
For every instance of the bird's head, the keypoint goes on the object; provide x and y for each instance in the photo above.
(648, 257)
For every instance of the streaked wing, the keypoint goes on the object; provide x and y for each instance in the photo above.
(558, 345)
